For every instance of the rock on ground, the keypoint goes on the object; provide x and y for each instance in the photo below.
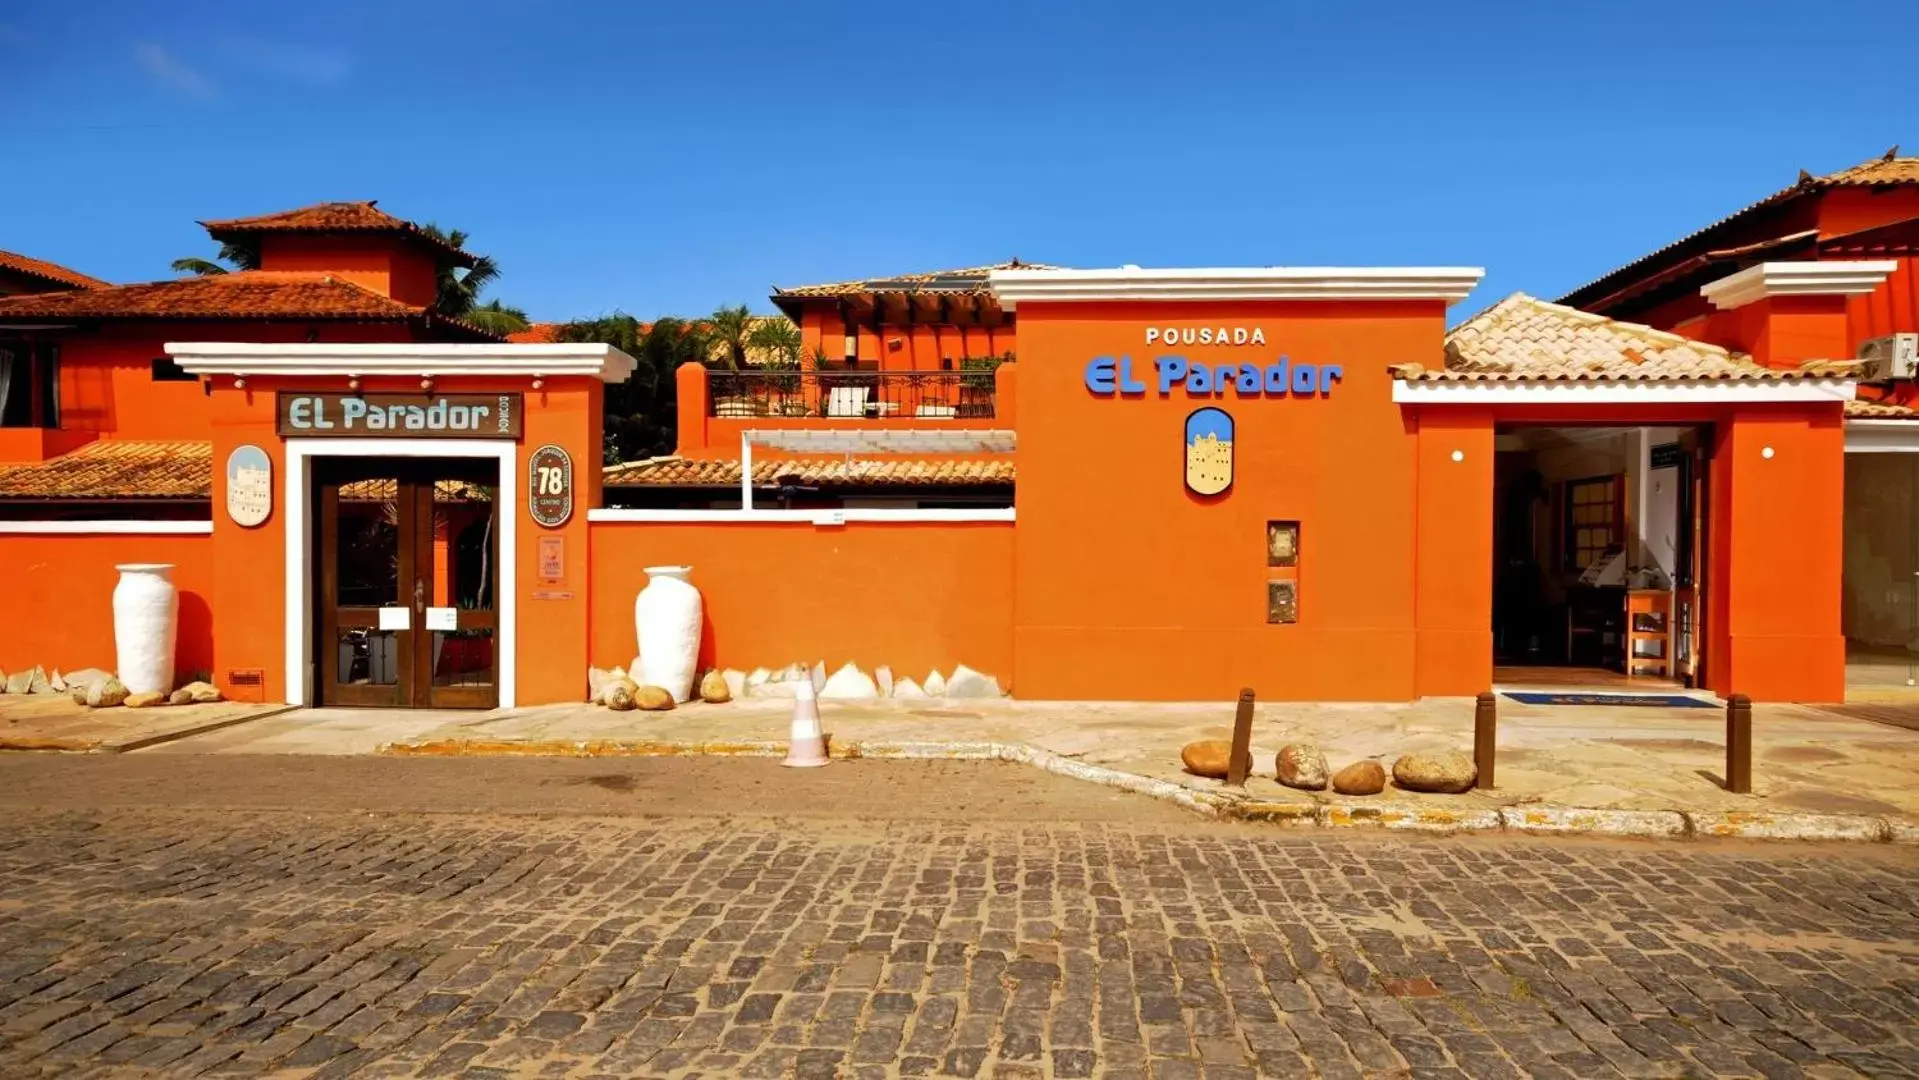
(713, 688)
(653, 699)
(883, 676)
(106, 693)
(819, 676)
(203, 692)
(20, 682)
(596, 680)
(147, 699)
(178, 697)
(967, 683)
(619, 696)
(1360, 778)
(1301, 765)
(850, 683)
(905, 687)
(1447, 773)
(735, 682)
(1207, 757)
(935, 684)
(618, 684)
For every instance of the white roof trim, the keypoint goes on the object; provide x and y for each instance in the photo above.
(1691, 392)
(851, 440)
(485, 358)
(850, 515)
(1837, 277)
(115, 526)
(1448, 283)
(1882, 437)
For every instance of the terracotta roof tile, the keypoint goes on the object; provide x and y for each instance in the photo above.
(115, 469)
(1858, 409)
(245, 294)
(46, 271)
(966, 279)
(540, 333)
(1524, 339)
(1885, 171)
(335, 217)
(835, 472)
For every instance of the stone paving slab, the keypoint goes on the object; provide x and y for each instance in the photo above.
(169, 943)
(1618, 771)
(54, 722)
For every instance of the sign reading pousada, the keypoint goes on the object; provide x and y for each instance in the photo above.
(400, 416)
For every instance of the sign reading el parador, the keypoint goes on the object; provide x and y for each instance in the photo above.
(399, 416)
(1107, 376)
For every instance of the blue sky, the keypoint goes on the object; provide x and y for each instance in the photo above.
(671, 157)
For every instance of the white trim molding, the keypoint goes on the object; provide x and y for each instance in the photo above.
(1693, 392)
(1882, 436)
(855, 515)
(1837, 277)
(603, 362)
(299, 545)
(107, 527)
(1447, 283)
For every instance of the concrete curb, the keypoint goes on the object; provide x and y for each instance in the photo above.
(1534, 819)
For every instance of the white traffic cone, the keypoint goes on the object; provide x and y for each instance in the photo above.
(807, 748)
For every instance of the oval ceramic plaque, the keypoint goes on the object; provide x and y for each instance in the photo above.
(249, 486)
(549, 486)
(1209, 451)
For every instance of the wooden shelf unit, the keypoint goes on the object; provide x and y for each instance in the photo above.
(1649, 634)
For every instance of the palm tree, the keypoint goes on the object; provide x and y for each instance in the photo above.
(496, 317)
(729, 328)
(460, 287)
(241, 256)
(776, 341)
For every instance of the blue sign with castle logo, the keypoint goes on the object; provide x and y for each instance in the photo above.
(1107, 376)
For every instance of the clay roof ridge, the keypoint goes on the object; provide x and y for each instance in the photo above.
(49, 271)
(1886, 170)
(909, 281)
(362, 215)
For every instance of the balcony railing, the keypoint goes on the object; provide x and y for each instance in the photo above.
(852, 395)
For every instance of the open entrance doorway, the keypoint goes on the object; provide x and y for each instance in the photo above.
(406, 583)
(1598, 556)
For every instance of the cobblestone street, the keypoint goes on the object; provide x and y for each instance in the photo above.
(1082, 941)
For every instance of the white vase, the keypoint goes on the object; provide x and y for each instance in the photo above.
(666, 616)
(146, 611)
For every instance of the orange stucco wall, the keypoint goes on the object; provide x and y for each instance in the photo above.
(1129, 586)
(59, 598)
(919, 347)
(383, 264)
(915, 596)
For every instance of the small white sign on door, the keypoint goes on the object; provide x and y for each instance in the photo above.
(442, 618)
(396, 618)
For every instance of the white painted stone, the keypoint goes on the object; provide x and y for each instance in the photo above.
(146, 610)
(907, 688)
(735, 682)
(756, 682)
(883, 675)
(967, 683)
(783, 688)
(819, 676)
(58, 681)
(19, 682)
(40, 684)
(667, 616)
(86, 677)
(596, 680)
(849, 683)
(936, 684)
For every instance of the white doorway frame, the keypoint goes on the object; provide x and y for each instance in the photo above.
(299, 545)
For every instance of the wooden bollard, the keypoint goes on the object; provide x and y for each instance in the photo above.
(1241, 761)
(1485, 738)
(1739, 744)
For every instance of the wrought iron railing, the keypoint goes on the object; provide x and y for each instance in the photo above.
(851, 395)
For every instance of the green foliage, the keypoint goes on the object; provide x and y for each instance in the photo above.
(460, 286)
(728, 329)
(642, 418)
(776, 341)
(237, 254)
(498, 318)
(980, 370)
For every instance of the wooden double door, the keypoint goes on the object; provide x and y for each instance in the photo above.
(407, 582)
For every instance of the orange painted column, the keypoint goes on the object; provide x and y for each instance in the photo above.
(1453, 554)
(554, 611)
(249, 564)
(689, 384)
(1779, 547)
(1006, 396)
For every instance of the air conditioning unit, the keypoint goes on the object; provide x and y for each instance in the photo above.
(1894, 356)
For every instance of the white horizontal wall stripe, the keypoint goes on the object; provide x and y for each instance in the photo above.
(1448, 283)
(1882, 437)
(121, 528)
(868, 515)
(1703, 391)
(373, 358)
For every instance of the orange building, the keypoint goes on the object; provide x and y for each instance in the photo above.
(1125, 483)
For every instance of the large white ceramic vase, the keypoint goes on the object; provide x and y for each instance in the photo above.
(666, 615)
(146, 610)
